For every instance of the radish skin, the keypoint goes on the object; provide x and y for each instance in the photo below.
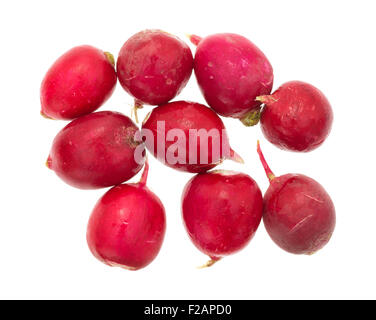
(232, 72)
(96, 151)
(154, 66)
(298, 214)
(296, 117)
(221, 212)
(78, 83)
(127, 226)
(183, 117)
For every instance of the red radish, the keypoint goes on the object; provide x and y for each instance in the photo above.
(296, 117)
(78, 83)
(231, 72)
(221, 212)
(96, 151)
(298, 213)
(172, 129)
(127, 226)
(154, 66)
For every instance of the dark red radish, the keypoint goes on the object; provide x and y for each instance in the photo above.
(171, 131)
(221, 212)
(296, 117)
(299, 215)
(231, 72)
(154, 66)
(127, 226)
(96, 151)
(78, 83)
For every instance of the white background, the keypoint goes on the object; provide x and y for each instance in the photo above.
(43, 250)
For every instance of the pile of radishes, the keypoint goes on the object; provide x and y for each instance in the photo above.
(221, 209)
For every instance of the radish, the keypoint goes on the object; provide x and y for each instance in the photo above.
(154, 66)
(96, 151)
(78, 83)
(296, 117)
(231, 72)
(298, 213)
(127, 226)
(187, 136)
(221, 212)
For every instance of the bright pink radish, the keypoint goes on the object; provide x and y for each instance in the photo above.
(96, 151)
(127, 226)
(296, 117)
(298, 213)
(231, 72)
(154, 66)
(78, 83)
(187, 136)
(221, 212)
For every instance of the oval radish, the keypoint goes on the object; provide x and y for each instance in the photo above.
(96, 151)
(78, 83)
(231, 72)
(187, 136)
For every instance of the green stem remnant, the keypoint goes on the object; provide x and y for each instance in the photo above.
(110, 58)
(251, 118)
(269, 173)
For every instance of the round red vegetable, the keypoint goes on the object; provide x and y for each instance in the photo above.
(172, 129)
(78, 83)
(298, 213)
(154, 66)
(96, 151)
(231, 72)
(127, 226)
(296, 117)
(221, 212)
